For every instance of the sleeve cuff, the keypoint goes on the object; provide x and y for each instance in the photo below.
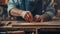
(50, 14)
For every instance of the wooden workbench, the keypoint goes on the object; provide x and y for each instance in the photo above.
(30, 26)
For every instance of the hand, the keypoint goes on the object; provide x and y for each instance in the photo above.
(41, 18)
(27, 16)
(37, 18)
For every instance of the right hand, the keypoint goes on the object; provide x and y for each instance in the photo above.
(27, 16)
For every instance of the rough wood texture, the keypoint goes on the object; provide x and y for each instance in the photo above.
(30, 23)
(15, 24)
(29, 26)
(15, 32)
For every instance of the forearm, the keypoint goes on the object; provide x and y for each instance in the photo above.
(16, 12)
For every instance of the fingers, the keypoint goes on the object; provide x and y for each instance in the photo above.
(37, 18)
(28, 17)
(41, 19)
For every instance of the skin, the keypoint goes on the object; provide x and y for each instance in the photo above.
(28, 16)
(40, 18)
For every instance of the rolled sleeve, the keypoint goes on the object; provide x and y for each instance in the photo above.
(11, 5)
(50, 11)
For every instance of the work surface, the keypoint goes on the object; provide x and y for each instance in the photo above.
(31, 24)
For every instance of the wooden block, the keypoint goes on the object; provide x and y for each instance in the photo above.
(15, 32)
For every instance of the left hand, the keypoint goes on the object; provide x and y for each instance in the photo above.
(36, 18)
(41, 18)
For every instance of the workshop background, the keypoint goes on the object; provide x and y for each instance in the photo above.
(4, 15)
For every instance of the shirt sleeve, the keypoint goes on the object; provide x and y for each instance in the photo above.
(50, 11)
(11, 5)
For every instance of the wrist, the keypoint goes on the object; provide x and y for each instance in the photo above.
(23, 13)
(45, 15)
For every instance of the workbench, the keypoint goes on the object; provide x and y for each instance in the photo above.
(30, 26)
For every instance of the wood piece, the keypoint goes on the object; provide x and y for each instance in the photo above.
(32, 23)
(15, 32)
(42, 23)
